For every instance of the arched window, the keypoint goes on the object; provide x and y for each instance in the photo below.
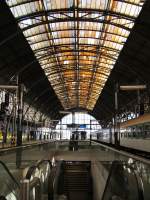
(77, 122)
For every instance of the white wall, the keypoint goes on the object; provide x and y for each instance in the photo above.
(99, 175)
(141, 144)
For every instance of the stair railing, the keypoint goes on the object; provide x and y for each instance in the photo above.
(35, 184)
(55, 181)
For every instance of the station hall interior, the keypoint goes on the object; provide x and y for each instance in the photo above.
(74, 100)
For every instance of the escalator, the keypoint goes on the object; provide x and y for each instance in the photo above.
(72, 180)
(9, 187)
(34, 186)
(123, 183)
(77, 181)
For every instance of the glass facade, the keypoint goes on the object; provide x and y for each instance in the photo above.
(83, 123)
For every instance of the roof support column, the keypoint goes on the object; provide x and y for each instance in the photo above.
(116, 123)
(20, 114)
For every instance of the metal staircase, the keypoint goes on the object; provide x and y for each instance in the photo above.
(77, 181)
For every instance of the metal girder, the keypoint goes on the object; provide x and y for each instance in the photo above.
(80, 19)
(52, 67)
(69, 50)
(82, 70)
(99, 55)
(57, 59)
(81, 29)
(63, 51)
(36, 99)
(81, 10)
(81, 81)
(71, 38)
(61, 92)
(52, 71)
(85, 46)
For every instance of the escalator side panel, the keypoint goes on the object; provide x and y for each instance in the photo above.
(122, 183)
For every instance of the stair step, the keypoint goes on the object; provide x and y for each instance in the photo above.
(74, 177)
(76, 181)
(74, 189)
(71, 185)
(80, 195)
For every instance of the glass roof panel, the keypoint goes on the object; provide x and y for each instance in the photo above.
(76, 42)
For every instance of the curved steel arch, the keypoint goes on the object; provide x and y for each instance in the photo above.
(82, 10)
(60, 38)
(71, 20)
(108, 57)
(36, 99)
(69, 44)
(84, 70)
(81, 81)
(29, 1)
(69, 29)
(66, 51)
(72, 64)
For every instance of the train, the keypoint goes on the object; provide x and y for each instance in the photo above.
(134, 134)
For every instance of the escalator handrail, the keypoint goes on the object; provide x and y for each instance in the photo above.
(108, 179)
(56, 179)
(10, 174)
(139, 184)
(53, 183)
(36, 166)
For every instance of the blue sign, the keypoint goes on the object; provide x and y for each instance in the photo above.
(82, 126)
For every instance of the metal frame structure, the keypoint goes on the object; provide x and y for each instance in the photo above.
(18, 118)
(76, 42)
(126, 88)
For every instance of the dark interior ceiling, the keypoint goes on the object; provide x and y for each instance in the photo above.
(16, 56)
(132, 66)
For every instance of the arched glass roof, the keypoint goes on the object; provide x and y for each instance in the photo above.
(77, 42)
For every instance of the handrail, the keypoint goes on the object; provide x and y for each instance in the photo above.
(140, 186)
(12, 177)
(54, 181)
(36, 183)
(137, 177)
(138, 181)
(34, 167)
(27, 186)
(108, 179)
